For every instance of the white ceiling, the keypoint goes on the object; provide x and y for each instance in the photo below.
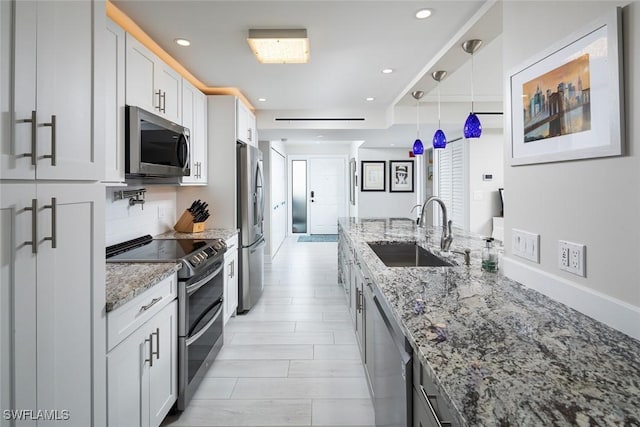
(350, 43)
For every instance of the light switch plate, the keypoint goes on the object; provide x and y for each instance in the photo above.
(525, 244)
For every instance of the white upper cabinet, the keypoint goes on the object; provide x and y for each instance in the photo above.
(150, 83)
(245, 124)
(49, 100)
(114, 55)
(194, 116)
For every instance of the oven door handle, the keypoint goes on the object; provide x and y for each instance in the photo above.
(201, 332)
(200, 283)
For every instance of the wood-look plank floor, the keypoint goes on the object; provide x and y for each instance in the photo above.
(293, 359)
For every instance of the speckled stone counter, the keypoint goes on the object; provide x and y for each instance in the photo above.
(500, 353)
(210, 233)
(125, 281)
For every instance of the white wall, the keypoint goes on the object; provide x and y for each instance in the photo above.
(124, 222)
(486, 156)
(385, 204)
(594, 202)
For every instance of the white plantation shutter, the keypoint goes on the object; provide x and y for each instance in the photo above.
(452, 183)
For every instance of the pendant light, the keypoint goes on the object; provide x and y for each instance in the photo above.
(439, 138)
(472, 126)
(418, 148)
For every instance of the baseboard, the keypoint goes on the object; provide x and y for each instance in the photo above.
(610, 311)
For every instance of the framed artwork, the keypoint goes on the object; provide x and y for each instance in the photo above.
(401, 176)
(566, 103)
(353, 181)
(372, 175)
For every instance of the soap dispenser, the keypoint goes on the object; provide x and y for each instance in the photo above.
(489, 256)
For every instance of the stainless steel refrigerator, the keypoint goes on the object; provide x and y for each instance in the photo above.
(250, 220)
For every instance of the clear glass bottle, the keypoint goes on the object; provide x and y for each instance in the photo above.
(489, 256)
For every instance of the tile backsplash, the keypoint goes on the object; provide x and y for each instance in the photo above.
(157, 215)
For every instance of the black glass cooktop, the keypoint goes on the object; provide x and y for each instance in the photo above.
(146, 249)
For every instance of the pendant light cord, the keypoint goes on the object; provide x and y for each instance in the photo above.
(417, 118)
(439, 127)
(472, 83)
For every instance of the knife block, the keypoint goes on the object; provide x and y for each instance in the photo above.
(186, 225)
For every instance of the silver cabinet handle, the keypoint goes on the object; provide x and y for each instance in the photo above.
(152, 303)
(150, 341)
(159, 106)
(249, 134)
(157, 352)
(428, 398)
(199, 170)
(359, 300)
(34, 132)
(54, 210)
(52, 125)
(164, 101)
(34, 225)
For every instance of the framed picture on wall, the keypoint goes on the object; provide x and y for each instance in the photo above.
(566, 103)
(401, 176)
(372, 175)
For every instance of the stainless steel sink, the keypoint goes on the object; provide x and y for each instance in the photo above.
(406, 254)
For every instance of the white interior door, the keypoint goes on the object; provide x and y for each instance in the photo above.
(326, 194)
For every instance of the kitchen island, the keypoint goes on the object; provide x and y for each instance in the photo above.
(497, 352)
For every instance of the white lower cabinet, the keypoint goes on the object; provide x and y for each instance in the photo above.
(142, 370)
(231, 278)
(51, 301)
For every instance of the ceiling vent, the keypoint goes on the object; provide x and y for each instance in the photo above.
(319, 119)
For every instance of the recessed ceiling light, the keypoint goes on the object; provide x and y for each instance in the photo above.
(423, 13)
(371, 98)
(387, 71)
(393, 145)
(262, 99)
(183, 42)
(320, 136)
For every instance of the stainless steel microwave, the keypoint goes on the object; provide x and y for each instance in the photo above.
(155, 147)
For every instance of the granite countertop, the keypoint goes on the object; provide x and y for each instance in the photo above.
(125, 281)
(209, 233)
(500, 353)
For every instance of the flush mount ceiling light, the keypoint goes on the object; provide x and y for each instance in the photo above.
(439, 138)
(183, 42)
(423, 13)
(280, 46)
(472, 126)
(418, 148)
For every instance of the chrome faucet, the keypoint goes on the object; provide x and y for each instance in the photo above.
(447, 236)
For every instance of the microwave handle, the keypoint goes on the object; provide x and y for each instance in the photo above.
(183, 151)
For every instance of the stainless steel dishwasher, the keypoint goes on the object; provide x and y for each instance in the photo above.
(392, 364)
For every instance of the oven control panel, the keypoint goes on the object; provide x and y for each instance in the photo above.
(197, 258)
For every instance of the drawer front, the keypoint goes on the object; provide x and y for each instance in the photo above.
(232, 245)
(422, 416)
(425, 387)
(126, 319)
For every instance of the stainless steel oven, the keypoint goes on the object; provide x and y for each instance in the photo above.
(200, 331)
(200, 299)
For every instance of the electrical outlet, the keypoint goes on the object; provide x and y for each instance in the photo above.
(161, 212)
(572, 258)
(525, 245)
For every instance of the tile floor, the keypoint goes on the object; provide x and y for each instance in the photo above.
(293, 359)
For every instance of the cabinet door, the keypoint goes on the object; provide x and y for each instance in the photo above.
(17, 71)
(230, 284)
(163, 375)
(66, 95)
(70, 300)
(127, 369)
(17, 298)
(252, 129)
(200, 135)
(140, 73)
(242, 122)
(169, 83)
(370, 333)
(193, 118)
(114, 54)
